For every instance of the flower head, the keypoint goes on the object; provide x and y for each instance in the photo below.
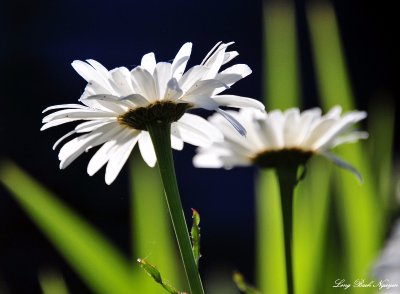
(277, 138)
(118, 105)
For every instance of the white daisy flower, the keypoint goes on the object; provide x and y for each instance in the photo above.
(277, 138)
(118, 104)
(387, 267)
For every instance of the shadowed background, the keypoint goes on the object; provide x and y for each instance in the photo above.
(39, 40)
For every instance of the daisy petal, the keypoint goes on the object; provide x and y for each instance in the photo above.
(136, 99)
(149, 62)
(146, 149)
(238, 101)
(229, 56)
(100, 157)
(100, 68)
(208, 160)
(181, 59)
(121, 78)
(192, 76)
(233, 121)
(162, 75)
(77, 106)
(57, 122)
(143, 83)
(120, 155)
(203, 125)
(341, 163)
(233, 74)
(88, 72)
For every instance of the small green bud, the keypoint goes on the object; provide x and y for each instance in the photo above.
(153, 272)
(195, 234)
(242, 284)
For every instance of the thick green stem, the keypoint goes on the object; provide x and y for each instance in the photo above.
(287, 177)
(161, 137)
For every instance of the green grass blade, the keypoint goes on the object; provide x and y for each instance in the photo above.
(311, 211)
(271, 253)
(359, 206)
(331, 71)
(98, 263)
(52, 282)
(281, 82)
(281, 90)
(152, 234)
(381, 123)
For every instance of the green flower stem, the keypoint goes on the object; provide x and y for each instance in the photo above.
(161, 137)
(287, 177)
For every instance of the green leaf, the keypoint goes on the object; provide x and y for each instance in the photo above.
(152, 233)
(281, 85)
(52, 282)
(153, 272)
(98, 263)
(195, 235)
(243, 285)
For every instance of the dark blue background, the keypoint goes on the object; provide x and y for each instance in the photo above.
(39, 40)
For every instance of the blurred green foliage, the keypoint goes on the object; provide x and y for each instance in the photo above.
(328, 198)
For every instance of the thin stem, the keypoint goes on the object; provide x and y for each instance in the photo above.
(161, 137)
(287, 177)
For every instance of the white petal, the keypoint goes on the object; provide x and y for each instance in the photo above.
(136, 99)
(173, 92)
(272, 130)
(199, 94)
(336, 129)
(108, 103)
(94, 88)
(341, 163)
(334, 112)
(62, 138)
(349, 138)
(318, 133)
(146, 149)
(203, 125)
(233, 74)
(90, 126)
(100, 68)
(229, 56)
(120, 155)
(237, 125)
(143, 83)
(290, 131)
(209, 53)
(176, 142)
(77, 106)
(72, 149)
(149, 62)
(238, 101)
(209, 160)
(57, 122)
(203, 101)
(108, 132)
(88, 72)
(193, 75)
(100, 157)
(196, 130)
(77, 114)
(162, 75)
(180, 61)
(122, 84)
(215, 61)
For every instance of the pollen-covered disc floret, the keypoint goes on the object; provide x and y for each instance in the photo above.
(118, 104)
(278, 138)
